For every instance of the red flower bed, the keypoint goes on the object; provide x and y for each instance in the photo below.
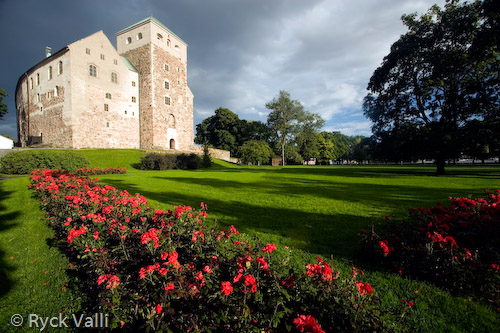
(456, 247)
(168, 270)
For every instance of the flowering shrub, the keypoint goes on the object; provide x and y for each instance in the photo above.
(168, 270)
(456, 247)
(99, 171)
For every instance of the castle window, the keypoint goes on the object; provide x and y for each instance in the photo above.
(38, 97)
(166, 67)
(177, 47)
(93, 70)
(167, 100)
(102, 56)
(56, 91)
(49, 73)
(133, 99)
(31, 82)
(108, 95)
(129, 40)
(167, 84)
(133, 83)
(125, 111)
(168, 42)
(106, 107)
(87, 51)
(59, 68)
(159, 37)
(107, 124)
(171, 121)
(38, 79)
(139, 35)
(115, 61)
(114, 77)
(133, 113)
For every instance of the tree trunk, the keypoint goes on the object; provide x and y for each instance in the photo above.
(283, 154)
(440, 166)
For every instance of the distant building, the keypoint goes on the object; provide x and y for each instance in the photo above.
(91, 95)
(6, 143)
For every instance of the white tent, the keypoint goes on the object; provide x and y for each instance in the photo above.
(6, 143)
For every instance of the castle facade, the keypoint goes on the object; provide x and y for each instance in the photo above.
(91, 95)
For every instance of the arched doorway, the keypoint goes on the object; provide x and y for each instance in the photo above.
(172, 144)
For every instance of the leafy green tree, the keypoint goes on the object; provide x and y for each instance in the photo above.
(253, 130)
(307, 133)
(256, 152)
(284, 118)
(3, 107)
(437, 78)
(341, 144)
(220, 130)
(325, 150)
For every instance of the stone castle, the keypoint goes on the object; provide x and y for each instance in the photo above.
(91, 95)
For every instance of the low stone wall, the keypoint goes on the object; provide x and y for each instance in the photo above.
(224, 155)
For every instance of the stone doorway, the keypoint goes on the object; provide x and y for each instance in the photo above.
(172, 144)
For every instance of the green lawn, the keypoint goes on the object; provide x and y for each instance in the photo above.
(315, 210)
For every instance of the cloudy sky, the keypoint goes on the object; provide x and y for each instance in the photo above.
(241, 52)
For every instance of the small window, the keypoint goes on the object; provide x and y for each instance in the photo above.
(129, 40)
(108, 95)
(133, 83)
(114, 77)
(49, 73)
(102, 56)
(31, 82)
(125, 111)
(87, 51)
(139, 35)
(115, 61)
(59, 68)
(178, 82)
(159, 37)
(133, 113)
(133, 99)
(38, 79)
(177, 46)
(166, 67)
(167, 100)
(167, 85)
(168, 42)
(56, 91)
(106, 107)
(107, 124)
(93, 70)
(38, 97)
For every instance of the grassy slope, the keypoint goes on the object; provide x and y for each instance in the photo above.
(32, 273)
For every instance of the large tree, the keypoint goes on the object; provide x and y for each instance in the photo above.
(436, 78)
(220, 130)
(3, 107)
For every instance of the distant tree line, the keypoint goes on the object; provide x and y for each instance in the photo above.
(290, 131)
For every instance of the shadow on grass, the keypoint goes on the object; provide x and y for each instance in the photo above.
(314, 232)
(6, 223)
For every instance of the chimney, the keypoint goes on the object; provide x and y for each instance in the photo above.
(48, 52)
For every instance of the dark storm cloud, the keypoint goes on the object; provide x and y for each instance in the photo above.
(240, 54)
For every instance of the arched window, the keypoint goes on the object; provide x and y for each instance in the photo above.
(172, 144)
(159, 37)
(129, 40)
(167, 100)
(139, 35)
(31, 82)
(171, 121)
(168, 42)
(93, 70)
(108, 95)
(38, 79)
(114, 77)
(49, 73)
(59, 68)
(167, 84)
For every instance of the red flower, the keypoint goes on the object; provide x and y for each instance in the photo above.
(364, 288)
(495, 266)
(307, 324)
(384, 246)
(170, 286)
(113, 280)
(262, 263)
(269, 248)
(226, 288)
(250, 282)
(158, 309)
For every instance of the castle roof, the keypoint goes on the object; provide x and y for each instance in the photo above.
(146, 20)
(129, 64)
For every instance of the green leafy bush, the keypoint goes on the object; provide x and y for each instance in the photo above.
(23, 162)
(167, 162)
(169, 271)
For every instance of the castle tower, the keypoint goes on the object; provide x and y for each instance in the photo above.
(165, 100)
